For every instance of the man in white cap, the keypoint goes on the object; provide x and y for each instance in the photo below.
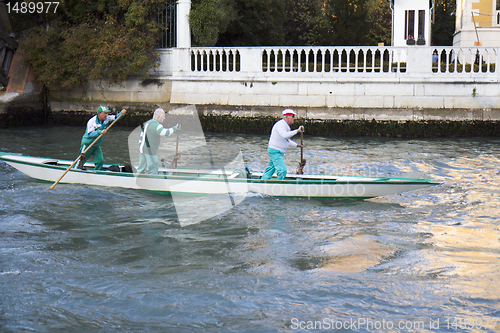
(96, 126)
(151, 134)
(278, 144)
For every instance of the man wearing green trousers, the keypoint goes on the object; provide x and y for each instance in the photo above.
(96, 126)
(278, 144)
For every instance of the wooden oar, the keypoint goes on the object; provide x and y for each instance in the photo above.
(72, 164)
(173, 165)
(302, 163)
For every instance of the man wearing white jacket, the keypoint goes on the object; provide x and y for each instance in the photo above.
(278, 144)
(149, 142)
(96, 126)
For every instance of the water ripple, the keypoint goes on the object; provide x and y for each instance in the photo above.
(84, 258)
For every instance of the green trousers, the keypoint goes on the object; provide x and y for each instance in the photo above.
(96, 152)
(276, 163)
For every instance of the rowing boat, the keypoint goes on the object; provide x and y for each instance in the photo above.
(221, 181)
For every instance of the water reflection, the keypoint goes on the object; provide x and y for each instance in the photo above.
(87, 258)
(355, 254)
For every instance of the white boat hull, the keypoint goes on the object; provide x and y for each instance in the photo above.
(183, 181)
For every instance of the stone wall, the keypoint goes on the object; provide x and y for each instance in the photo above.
(343, 83)
(22, 110)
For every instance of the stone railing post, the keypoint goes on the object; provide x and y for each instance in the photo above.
(419, 60)
(181, 61)
(251, 60)
(183, 29)
(497, 62)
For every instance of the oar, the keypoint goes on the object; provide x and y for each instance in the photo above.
(173, 165)
(72, 164)
(302, 163)
(301, 148)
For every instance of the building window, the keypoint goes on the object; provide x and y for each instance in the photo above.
(409, 23)
(498, 12)
(421, 23)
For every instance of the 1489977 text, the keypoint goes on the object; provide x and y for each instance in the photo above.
(32, 7)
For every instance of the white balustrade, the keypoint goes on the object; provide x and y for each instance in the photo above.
(397, 78)
(337, 61)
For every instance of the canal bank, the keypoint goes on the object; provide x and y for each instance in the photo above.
(18, 109)
(260, 121)
(375, 91)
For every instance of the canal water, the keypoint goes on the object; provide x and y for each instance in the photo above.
(92, 259)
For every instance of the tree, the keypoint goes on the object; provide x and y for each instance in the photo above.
(257, 23)
(209, 18)
(347, 22)
(305, 22)
(93, 40)
(237, 22)
(379, 22)
(443, 26)
(290, 22)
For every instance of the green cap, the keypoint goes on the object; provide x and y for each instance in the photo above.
(102, 109)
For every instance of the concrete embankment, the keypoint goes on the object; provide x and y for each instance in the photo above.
(424, 123)
(388, 91)
(22, 110)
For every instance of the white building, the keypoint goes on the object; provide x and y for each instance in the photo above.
(411, 21)
(477, 23)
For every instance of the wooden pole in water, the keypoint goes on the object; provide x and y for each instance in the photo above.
(173, 165)
(302, 163)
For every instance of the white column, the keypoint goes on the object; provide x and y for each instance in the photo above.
(183, 30)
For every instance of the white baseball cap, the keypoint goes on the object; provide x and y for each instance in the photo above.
(288, 112)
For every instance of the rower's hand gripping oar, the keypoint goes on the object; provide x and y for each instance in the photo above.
(302, 163)
(173, 165)
(72, 164)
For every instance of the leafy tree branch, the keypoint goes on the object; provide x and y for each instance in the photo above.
(94, 40)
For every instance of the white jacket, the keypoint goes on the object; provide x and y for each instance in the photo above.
(280, 136)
